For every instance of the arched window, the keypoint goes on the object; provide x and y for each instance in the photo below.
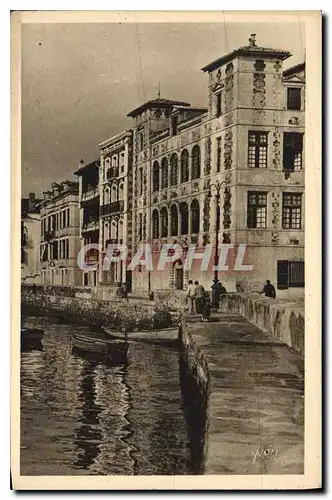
(184, 218)
(114, 194)
(121, 192)
(174, 221)
(164, 173)
(107, 197)
(155, 224)
(184, 166)
(163, 223)
(195, 217)
(196, 162)
(174, 170)
(155, 176)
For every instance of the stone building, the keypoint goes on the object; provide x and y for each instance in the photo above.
(60, 235)
(30, 239)
(88, 176)
(249, 143)
(115, 184)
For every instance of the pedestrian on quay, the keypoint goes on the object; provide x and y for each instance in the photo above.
(217, 290)
(199, 297)
(191, 297)
(269, 290)
(206, 313)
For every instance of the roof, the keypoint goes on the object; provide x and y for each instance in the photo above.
(154, 103)
(30, 207)
(84, 168)
(248, 50)
(294, 69)
(115, 138)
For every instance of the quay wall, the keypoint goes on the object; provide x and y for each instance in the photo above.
(282, 318)
(94, 307)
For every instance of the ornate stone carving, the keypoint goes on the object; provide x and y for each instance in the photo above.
(259, 90)
(229, 119)
(276, 148)
(173, 194)
(206, 214)
(196, 134)
(195, 187)
(275, 238)
(227, 207)
(207, 156)
(207, 183)
(294, 120)
(155, 199)
(277, 66)
(228, 149)
(259, 65)
(226, 237)
(229, 92)
(258, 116)
(275, 209)
(144, 226)
(206, 239)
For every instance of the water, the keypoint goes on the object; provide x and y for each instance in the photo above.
(79, 416)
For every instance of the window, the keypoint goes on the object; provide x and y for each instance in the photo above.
(140, 181)
(184, 218)
(163, 223)
(155, 176)
(294, 98)
(293, 146)
(195, 217)
(291, 210)
(174, 170)
(67, 249)
(290, 274)
(257, 150)
(140, 141)
(256, 216)
(155, 224)
(184, 166)
(218, 154)
(174, 125)
(218, 104)
(164, 173)
(174, 221)
(196, 163)
(68, 217)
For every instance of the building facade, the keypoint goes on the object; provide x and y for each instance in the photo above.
(115, 189)
(60, 235)
(30, 239)
(88, 176)
(231, 174)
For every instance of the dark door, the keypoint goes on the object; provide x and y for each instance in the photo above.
(129, 281)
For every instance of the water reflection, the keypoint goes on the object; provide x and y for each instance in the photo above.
(84, 416)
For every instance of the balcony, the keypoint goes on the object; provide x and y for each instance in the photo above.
(49, 234)
(112, 208)
(112, 173)
(92, 225)
(90, 194)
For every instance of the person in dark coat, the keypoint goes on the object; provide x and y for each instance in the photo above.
(269, 290)
(206, 309)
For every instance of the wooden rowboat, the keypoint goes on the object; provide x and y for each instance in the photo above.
(31, 334)
(106, 347)
(165, 336)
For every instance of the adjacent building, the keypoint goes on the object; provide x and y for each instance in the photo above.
(89, 217)
(30, 239)
(232, 173)
(115, 188)
(60, 235)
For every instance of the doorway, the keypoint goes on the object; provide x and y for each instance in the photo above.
(178, 275)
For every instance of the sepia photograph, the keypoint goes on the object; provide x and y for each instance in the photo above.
(167, 320)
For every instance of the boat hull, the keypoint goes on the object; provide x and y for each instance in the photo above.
(112, 350)
(31, 338)
(166, 336)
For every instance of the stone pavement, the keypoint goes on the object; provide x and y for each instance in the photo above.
(256, 404)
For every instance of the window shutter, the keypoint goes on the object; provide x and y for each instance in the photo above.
(282, 274)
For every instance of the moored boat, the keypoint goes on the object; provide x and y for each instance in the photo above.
(112, 349)
(164, 336)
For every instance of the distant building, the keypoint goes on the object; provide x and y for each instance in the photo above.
(60, 235)
(115, 182)
(30, 239)
(89, 216)
(250, 139)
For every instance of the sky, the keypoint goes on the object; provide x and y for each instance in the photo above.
(79, 81)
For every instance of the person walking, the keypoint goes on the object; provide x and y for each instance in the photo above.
(199, 297)
(206, 313)
(269, 290)
(191, 296)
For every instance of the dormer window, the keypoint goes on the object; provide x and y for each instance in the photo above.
(294, 98)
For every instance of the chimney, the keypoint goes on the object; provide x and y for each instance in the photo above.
(252, 40)
(32, 201)
(81, 164)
